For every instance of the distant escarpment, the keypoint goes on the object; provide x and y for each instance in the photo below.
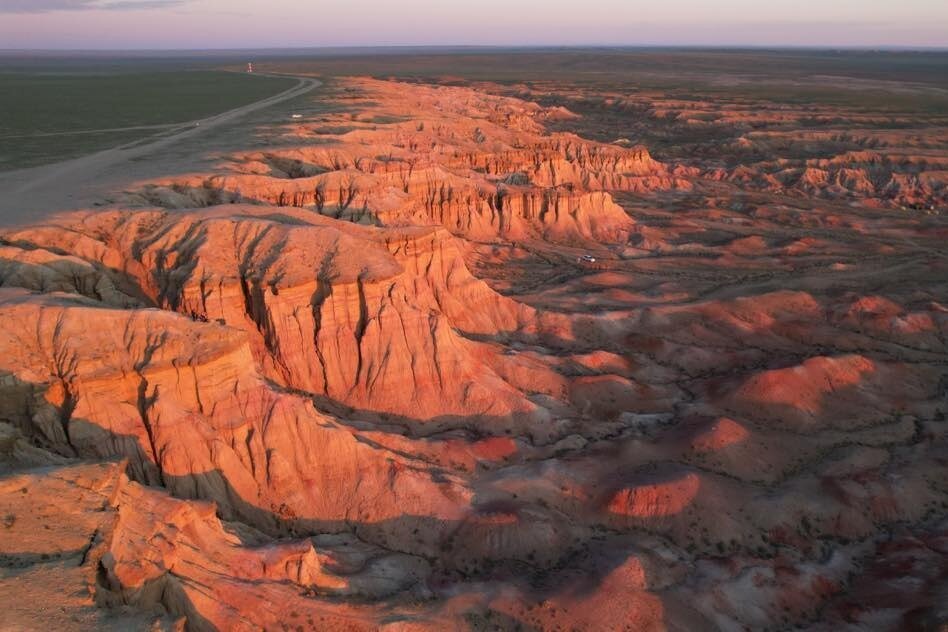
(480, 166)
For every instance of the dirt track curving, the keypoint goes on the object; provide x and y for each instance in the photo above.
(27, 192)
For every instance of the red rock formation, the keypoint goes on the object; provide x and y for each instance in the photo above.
(423, 363)
(183, 402)
(655, 499)
(137, 547)
(720, 434)
(363, 316)
(480, 179)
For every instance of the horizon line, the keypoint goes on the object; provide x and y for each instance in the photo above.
(490, 47)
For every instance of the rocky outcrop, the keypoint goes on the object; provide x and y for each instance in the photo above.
(182, 401)
(172, 564)
(655, 498)
(366, 317)
(480, 178)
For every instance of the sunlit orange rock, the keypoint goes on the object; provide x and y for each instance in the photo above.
(428, 357)
(718, 435)
(655, 498)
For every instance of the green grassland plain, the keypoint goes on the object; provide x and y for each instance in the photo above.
(52, 115)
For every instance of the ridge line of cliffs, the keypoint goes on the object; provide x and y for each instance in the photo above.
(481, 166)
(183, 402)
(376, 319)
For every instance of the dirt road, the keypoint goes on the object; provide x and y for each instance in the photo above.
(27, 194)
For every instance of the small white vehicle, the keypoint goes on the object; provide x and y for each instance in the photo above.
(296, 116)
(587, 259)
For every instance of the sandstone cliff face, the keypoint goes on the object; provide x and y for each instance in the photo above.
(170, 564)
(365, 317)
(183, 402)
(479, 176)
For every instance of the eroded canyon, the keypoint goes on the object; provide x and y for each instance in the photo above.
(449, 357)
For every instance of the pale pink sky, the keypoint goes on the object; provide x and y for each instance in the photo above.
(148, 24)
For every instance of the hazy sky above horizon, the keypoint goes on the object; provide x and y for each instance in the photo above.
(205, 24)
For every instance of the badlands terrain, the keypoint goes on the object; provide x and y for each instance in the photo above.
(452, 354)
